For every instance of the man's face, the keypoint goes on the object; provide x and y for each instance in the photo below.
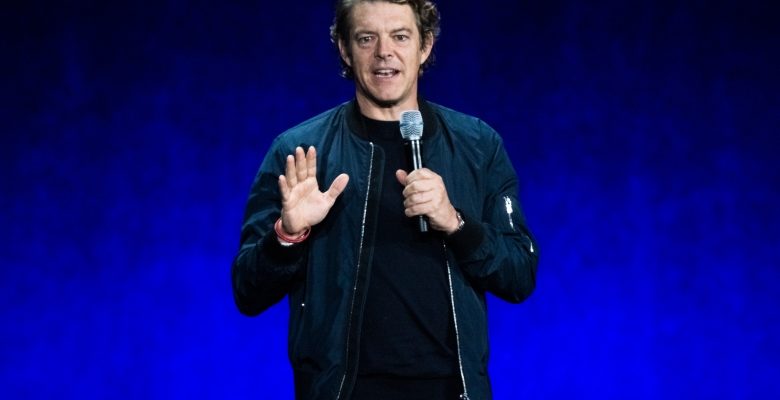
(385, 54)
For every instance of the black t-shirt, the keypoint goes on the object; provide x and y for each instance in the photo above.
(407, 331)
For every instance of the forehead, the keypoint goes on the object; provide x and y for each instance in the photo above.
(382, 16)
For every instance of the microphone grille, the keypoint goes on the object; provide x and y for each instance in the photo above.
(411, 125)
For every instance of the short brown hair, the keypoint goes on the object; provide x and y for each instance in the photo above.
(425, 12)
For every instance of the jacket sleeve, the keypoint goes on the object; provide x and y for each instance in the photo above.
(264, 271)
(496, 251)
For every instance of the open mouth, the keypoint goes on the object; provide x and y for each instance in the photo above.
(386, 72)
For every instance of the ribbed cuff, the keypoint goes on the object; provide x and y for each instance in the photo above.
(465, 241)
(280, 254)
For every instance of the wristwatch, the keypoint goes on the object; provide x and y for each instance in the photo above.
(461, 222)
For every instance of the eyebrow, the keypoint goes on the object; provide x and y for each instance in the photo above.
(401, 30)
(372, 32)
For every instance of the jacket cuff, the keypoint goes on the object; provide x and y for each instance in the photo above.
(466, 241)
(282, 255)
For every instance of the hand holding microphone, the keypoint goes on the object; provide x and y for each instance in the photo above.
(424, 192)
(411, 131)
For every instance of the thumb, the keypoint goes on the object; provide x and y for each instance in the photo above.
(338, 186)
(401, 176)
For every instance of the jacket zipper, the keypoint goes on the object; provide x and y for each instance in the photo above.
(357, 271)
(465, 395)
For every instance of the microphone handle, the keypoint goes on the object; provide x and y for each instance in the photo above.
(423, 221)
(415, 155)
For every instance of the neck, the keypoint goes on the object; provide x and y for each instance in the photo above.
(384, 112)
(357, 120)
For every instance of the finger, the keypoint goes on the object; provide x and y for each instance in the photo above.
(419, 174)
(300, 164)
(418, 209)
(289, 171)
(412, 203)
(416, 198)
(311, 162)
(338, 186)
(401, 176)
(419, 186)
(283, 188)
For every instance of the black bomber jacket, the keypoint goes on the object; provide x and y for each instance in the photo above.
(325, 277)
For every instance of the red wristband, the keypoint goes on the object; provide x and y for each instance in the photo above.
(280, 233)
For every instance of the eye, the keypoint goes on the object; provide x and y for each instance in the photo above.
(363, 40)
(401, 37)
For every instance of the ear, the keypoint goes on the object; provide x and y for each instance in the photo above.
(345, 54)
(426, 51)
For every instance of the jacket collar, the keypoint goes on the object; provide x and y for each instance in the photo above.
(430, 121)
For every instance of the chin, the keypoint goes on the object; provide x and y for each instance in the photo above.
(386, 103)
(383, 102)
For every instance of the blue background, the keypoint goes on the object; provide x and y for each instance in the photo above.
(644, 134)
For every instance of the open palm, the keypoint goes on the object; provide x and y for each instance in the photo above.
(303, 205)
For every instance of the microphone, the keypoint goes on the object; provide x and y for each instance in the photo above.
(411, 132)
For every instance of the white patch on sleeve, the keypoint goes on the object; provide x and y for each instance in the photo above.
(509, 211)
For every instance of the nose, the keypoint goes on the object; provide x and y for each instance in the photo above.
(383, 49)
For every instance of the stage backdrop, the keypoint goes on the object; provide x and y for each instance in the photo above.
(644, 134)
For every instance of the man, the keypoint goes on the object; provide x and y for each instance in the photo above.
(378, 309)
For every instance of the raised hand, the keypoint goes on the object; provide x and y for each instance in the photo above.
(303, 205)
(425, 194)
